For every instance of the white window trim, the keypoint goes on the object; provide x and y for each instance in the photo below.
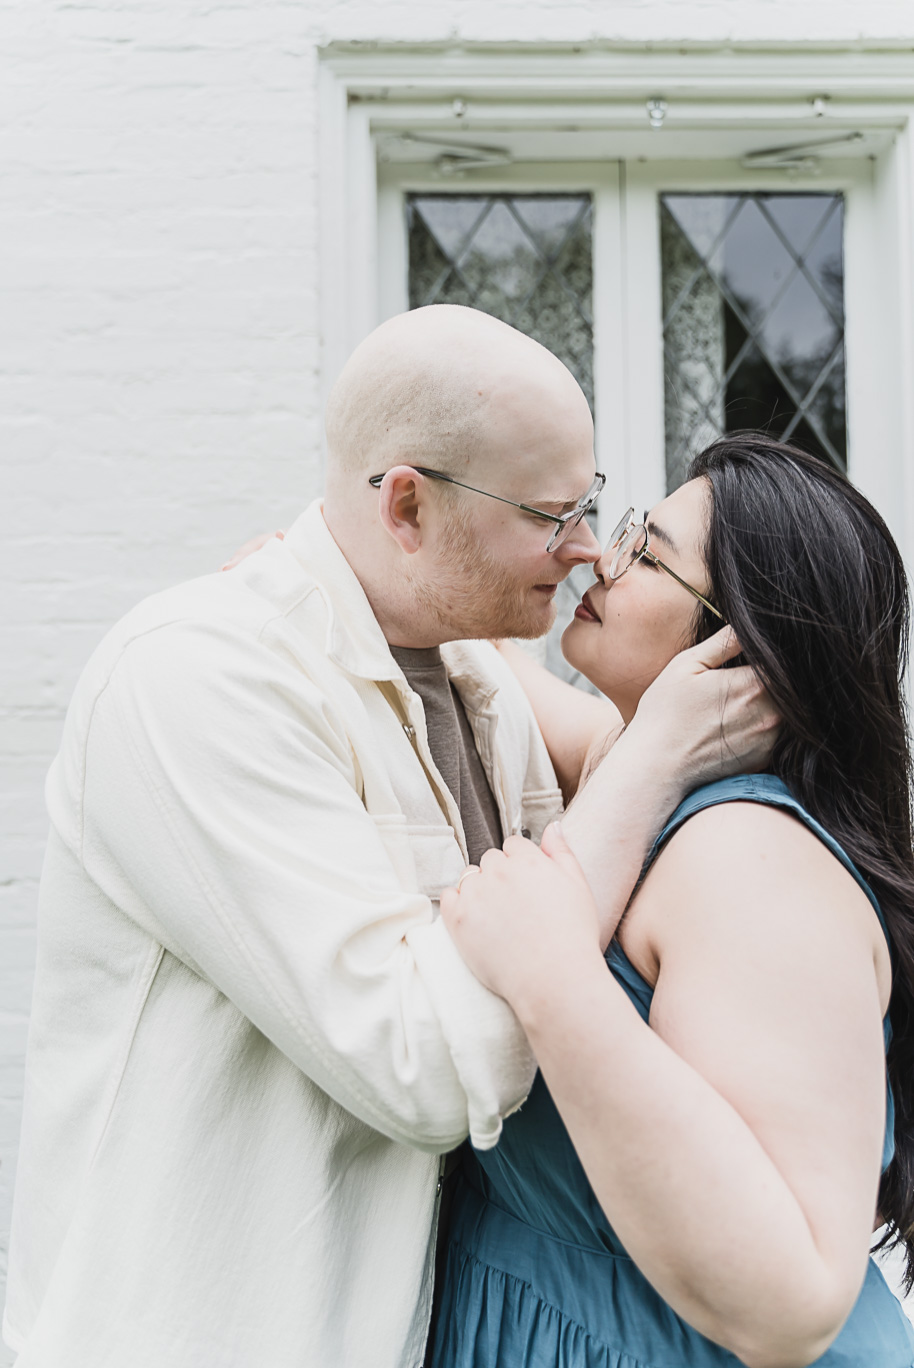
(364, 93)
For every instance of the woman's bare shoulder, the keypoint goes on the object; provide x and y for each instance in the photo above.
(748, 870)
(730, 841)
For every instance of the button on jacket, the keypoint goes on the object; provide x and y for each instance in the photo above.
(251, 1037)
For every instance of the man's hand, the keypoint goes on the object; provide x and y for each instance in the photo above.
(250, 547)
(701, 723)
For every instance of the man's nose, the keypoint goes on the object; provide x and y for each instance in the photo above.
(581, 547)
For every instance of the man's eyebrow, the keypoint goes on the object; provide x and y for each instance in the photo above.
(662, 536)
(560, 505)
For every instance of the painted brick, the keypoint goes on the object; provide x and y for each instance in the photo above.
(160, 348)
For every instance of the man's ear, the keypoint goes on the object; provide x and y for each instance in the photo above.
(400, 505)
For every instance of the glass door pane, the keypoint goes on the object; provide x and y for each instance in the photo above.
(527, 259)
(753, 321)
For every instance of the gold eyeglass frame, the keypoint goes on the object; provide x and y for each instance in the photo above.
(626, 525)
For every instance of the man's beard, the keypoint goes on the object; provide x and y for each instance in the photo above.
(477, 595)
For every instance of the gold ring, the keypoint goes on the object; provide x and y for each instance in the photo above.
(471, 869)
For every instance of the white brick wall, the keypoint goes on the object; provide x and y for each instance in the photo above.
(159, 335)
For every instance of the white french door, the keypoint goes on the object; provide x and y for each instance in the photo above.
(640, 358)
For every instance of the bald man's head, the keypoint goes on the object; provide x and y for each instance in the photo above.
(462, 394)
(437, 387)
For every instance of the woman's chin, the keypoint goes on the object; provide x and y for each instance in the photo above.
(619, 693)
(577, 658)
(568, 644)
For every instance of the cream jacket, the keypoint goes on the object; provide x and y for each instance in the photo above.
(251, 1038)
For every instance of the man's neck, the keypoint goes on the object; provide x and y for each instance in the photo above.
(404, 621)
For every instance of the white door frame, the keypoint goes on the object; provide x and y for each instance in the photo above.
(628, 341)
(771, 97)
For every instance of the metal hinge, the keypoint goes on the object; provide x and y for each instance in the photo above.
(796, 156)
(456, 157)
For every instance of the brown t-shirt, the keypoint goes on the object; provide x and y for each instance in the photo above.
(450, 739)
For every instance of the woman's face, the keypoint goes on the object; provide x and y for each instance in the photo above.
(625, 631)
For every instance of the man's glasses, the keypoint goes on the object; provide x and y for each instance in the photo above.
(631, 542)
(565, 522)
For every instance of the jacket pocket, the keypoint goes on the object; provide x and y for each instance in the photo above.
(436, 857)
(540, 807)
(426, 857)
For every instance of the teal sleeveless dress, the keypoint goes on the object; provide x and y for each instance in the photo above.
(535, 1276)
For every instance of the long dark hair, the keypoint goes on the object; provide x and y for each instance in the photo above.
(806, 571)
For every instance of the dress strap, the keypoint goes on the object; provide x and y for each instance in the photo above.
(768, 789)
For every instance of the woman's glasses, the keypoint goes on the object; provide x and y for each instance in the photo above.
(631, 542)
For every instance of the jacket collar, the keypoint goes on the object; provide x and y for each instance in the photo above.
(466, 672)
(355, 641)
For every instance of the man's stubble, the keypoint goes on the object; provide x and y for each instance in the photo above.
(477, 595)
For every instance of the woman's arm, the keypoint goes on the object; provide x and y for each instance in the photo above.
(735, 1143)
(577, 727)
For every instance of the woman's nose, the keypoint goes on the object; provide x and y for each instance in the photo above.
(604, 561)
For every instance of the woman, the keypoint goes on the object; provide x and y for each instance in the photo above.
(696, 1175)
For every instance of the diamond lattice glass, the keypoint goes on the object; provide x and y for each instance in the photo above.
(527, 259)
(753, 321)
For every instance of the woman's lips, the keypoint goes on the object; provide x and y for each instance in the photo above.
(585, 611)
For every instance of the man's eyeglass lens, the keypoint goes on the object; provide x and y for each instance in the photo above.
(564, 530)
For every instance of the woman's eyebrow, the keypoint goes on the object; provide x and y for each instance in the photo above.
(662, 536)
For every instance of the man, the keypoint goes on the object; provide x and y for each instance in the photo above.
(251, 1038)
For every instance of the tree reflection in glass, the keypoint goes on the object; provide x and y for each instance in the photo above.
(753, 321)
(527, 259)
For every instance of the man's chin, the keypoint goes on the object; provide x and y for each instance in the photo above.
(531, 625)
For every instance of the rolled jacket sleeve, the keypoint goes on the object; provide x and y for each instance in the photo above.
(221, 810)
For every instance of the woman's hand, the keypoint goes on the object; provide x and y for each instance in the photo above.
(526, 920)
(250, 547)
(699, 723)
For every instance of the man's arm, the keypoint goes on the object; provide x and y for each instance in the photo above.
(222, 811)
